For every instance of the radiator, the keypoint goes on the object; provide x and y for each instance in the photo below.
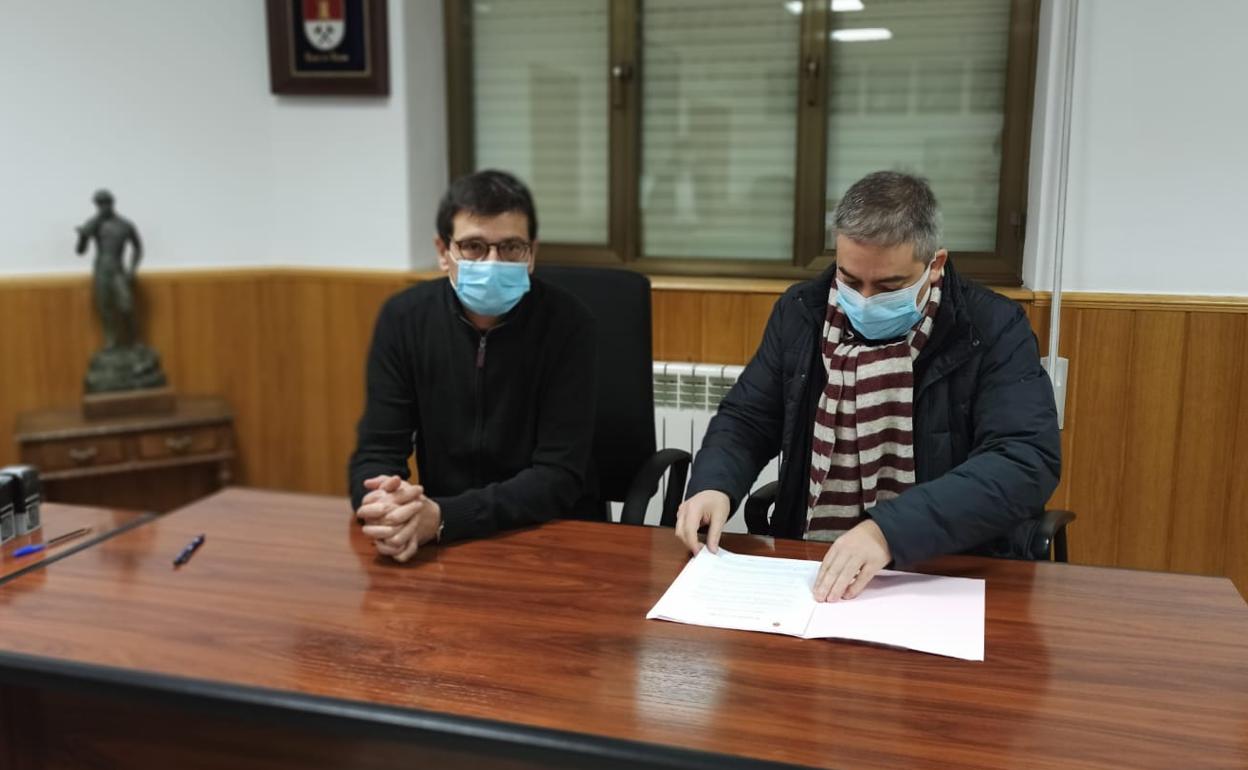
(685, 397)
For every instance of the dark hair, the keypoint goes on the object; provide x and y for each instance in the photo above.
(485, 194)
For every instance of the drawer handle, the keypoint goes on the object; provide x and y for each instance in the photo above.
(83, 455)
(178, 443)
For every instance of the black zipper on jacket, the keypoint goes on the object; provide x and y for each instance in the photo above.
(480, 427)
(478, 447)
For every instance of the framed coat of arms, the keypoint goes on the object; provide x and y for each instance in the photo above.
(328, 47)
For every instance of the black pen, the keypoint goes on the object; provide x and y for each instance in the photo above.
(188, 551)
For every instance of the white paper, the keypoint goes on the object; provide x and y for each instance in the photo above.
(748, 593)
(929, 613)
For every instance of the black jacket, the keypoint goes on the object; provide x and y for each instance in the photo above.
(501, 422)
(987, 449)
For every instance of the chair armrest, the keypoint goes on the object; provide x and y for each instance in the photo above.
(646, 483)
(757, 507)
(1049, 536)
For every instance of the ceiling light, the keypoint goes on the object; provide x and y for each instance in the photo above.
(861, 35)
(838, 6)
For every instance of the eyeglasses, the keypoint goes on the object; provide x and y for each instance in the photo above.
(510, 250)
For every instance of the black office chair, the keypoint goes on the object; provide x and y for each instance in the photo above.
(1040, 538)
(629, 469)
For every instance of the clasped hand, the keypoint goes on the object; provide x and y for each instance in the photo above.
(398, 516)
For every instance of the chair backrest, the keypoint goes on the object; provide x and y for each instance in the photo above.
(619, 300)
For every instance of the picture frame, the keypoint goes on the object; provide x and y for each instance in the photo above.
(328, 47)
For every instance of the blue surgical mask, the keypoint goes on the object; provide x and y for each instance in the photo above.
(884, 316)
(491, 288)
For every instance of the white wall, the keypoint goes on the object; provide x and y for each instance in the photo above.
(1158, 160)
(168, 105)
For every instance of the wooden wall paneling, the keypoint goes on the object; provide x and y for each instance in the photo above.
(1236, 533)
(240, 359)
(1212, 381)
(190, 359)
(157, 305)
(658, 322)
(26, 381)
(1154, 400)
(346, 342)
(281, 391)
(68, 315)
(353, 305)
(216, 350)
(1069, 348)
(313, 456)
(723, 334)
(677, 325)
(1098, 428)
(1038, 317)
(14, 333)
(240, 353)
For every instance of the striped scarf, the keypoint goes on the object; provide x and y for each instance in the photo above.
(863, 446)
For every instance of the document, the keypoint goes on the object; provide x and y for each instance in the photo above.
(928, 613)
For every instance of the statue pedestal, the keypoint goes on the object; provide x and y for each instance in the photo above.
(126, 381)
(124, 403)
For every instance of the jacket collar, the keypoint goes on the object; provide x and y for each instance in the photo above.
(954, 337)
(953, 334)
(814, 294)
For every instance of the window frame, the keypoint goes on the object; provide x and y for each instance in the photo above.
(1001, 266)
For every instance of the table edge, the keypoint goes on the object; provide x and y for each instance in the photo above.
(142, 518)
(376, 720)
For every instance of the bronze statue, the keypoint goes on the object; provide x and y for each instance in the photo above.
(114, 284)
(124, 363)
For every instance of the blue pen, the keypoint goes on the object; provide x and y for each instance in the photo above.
(188, 551)
(26, 550)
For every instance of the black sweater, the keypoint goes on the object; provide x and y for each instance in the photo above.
(501, 422)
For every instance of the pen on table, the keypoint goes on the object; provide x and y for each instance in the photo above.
(188, 551)
(37, 547)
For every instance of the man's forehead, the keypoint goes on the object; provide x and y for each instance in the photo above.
(875, 262)
(510, 223)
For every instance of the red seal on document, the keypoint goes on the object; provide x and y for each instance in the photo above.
(324, 23)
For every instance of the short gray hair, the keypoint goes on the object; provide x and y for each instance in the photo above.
(889, 208)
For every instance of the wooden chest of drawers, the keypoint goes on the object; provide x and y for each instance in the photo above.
(148, 462)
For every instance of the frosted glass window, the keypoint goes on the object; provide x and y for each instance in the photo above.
(719, 127)
(540, 94)
(919, 86)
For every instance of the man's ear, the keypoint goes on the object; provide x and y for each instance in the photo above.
(444, 259)
(532, 257)
(938, 264)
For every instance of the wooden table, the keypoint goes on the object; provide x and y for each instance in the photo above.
(57, 520)
(286, 643)
(154, 462)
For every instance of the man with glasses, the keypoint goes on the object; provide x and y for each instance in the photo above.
(908, 404)
(488, 375)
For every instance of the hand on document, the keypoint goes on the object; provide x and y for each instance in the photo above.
(398, 516)
(940, 615)
(851, 562)
(708, 509)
